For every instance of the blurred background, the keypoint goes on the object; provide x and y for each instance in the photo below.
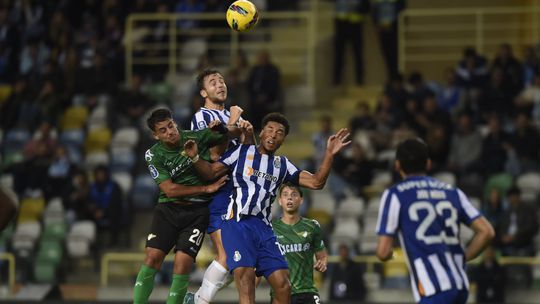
(78, 77)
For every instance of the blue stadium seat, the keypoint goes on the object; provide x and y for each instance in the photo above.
(144, 193)
(14, 140)
(122, 160)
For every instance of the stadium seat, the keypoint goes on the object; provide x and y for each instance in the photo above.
(476, 202)
(351, 207)
(48, 259)
(54, 212)
(122, 160)
(447, 177)
(347, 228)
(323, 200)
(97, 140)
(529, 182)
(501, 182)
(124, 180)
(74, 117)
(14, 140)
(159, 92)
(55, 231)
(72, 137)
(95, 159)
(6, 180)
(80, 238)
(25, 236)
(144, 193)
(31, 209)
(372, 209)
(382, 178)
(97, 119)
(322, 216)
(126, 138)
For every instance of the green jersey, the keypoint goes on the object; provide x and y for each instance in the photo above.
(170, 163)
(300, 242)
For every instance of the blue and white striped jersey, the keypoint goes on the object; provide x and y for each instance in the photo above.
(256, 179)
(426, 213)
(204, 116)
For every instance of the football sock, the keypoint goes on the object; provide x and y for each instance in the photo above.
(178, 288)
(214, 278)
(144, 284)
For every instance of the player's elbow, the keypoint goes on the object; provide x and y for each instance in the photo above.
(318, 185)
(383, 254)
(489, 233)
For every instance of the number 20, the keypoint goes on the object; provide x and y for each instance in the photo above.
(432, 212)
(196, 237)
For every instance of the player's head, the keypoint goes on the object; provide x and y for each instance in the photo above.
(163, 126)
(212, 86)
(274, 129)
(290, 198)
(412, 157)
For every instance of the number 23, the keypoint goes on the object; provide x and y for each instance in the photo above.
(432, 212)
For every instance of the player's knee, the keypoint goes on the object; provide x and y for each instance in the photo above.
(154, 259)
(221, 258)
(283, 287)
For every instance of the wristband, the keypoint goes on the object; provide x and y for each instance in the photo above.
(221, 129)
(195, 159)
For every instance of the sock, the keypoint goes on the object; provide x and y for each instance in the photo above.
(178, 288)
(214, 278)
(144, 284)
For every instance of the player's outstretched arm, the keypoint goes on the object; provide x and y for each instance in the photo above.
(321, 260)
(334, 144)
(483, 234)
(385, 247)
(208, 171)
(176, 190)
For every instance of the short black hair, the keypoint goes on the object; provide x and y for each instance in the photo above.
(156, 116)
(293, 186)
(276, 117)
(412, 155)
(202, 75)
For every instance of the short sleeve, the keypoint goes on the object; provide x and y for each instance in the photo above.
(318, 242)
(230, 157)
(293, 173)
(467, 212)
(388, 218)
(200, 121)
(155, 166)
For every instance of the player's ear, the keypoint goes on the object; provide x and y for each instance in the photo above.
(203, 93)
(154, 135)
(429, 164)
(397, 166)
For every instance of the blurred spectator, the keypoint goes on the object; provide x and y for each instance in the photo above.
(387, 117)
(510, 67)
(133, 103)
(10, 110)
(472, 70)
(105, 206)
(395, 90)
(529, 98)
(493, 208)
(385, 16)
(495, 97)
(494, 147)
(530, 65)
(465, 146)
(518, 226)
(237, 93)
(490, 278)
(10, 41)
(346, 279)
(96, 78)
(58, 174)
(33, 57)
(526, 143)
(349, 27)
(264, 87)
(355, 168)
(31, 175)
(76, 197)
(50, 103)
(188, 7)
(362, 119)
(450, 96)
(419, 90)
(45, 139)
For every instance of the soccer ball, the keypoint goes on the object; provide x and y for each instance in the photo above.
(242, 15)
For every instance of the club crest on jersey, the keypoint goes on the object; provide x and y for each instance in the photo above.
(237, 256)
(148, 155)
(277, 162)
(202, 124)
(153, 171)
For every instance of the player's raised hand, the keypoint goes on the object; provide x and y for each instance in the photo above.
(217, 126)
(337, 141)
(236, 112)
(321, 264)
(190, 148)
(217, 184)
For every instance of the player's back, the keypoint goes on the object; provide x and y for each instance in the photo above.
(426, 215)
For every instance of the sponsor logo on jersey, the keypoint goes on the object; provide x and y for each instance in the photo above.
(153, 171)
(250, 171)
(277, 162)
(297, 247)
(138, 283)
(151, 236)
(148, 155)
(250, 156)
(201, 124)
(303, 234)
(237, 256)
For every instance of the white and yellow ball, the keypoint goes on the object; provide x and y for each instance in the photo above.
(242, 15)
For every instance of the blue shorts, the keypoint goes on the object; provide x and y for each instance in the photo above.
(452, 296)
(218, 207)
(252, 243)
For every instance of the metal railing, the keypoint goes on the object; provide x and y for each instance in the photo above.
(438, 36)
(291, 34)
(369, 260)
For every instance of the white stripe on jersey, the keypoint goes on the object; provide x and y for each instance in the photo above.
(459, 263)
(423, 277)
(200, 119)
(414, 288)
(393, 214)
(440, 272)
(467, 206)
(455, 274)
(381, 209)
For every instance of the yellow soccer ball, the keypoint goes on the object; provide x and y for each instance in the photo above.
(242, 15)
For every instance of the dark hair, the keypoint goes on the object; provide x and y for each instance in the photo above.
(158, 115)
(412, 155)
(293, 186)
(202, 75)
(276, 117)
(513, 191)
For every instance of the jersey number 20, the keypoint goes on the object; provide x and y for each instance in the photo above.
(432, 212)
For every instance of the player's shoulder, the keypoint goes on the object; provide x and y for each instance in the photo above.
(313, 223)
(153, 152)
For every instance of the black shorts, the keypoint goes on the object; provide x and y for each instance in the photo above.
(182, 227)
(306, 298)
